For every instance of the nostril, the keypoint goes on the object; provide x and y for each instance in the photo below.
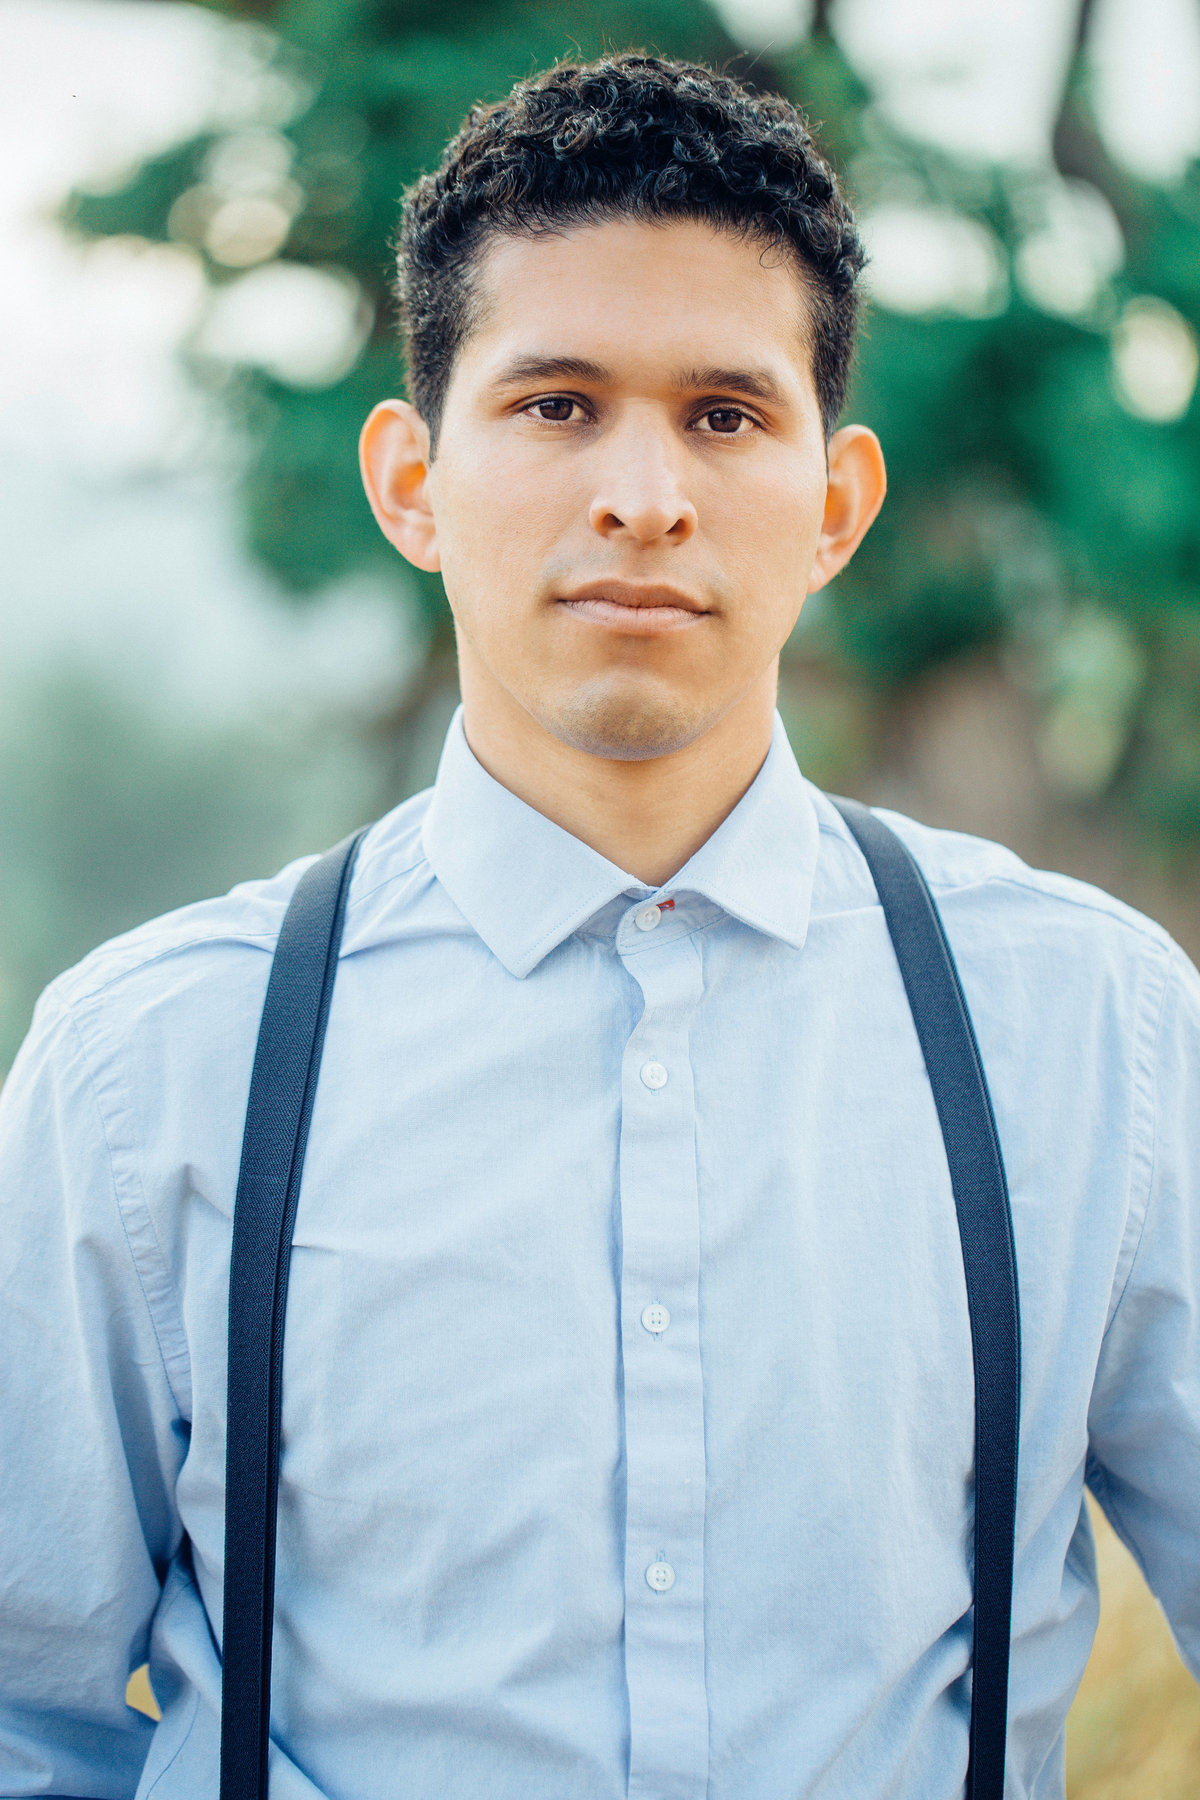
(648, 522)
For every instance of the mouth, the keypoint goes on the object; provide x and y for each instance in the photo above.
(630, 607)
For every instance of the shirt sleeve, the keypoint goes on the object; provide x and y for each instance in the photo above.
(1144, 1423)
(91, 1438)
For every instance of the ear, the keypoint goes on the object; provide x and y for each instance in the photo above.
(857, 484)
(393, 454)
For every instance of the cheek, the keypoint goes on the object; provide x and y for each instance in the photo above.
(769, 534)
(496, 521)
(473, 544)
(492, 556)
(777, 489)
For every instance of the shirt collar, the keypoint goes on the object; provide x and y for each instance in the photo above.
(524, 884)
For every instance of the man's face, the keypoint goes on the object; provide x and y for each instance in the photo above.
(630, 481)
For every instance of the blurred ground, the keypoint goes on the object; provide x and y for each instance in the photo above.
(1134, 1730)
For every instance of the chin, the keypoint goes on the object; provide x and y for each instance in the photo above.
(628, 727)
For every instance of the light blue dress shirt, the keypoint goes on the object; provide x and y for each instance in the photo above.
(627, 1437)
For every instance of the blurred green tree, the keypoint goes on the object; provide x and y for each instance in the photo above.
(1044, 453)
(1043, 445)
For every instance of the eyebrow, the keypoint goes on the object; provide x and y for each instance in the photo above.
(758, 383)
(553, 368)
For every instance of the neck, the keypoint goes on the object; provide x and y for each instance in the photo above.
(647, 817)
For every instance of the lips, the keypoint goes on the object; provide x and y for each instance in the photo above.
(632, 607)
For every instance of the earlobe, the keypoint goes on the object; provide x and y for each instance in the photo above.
(393, 454)
(857, 485)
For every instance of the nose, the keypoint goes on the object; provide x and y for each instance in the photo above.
(640, 494)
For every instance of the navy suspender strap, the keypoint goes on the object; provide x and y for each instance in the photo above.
(964, 1110)
(282, 1089)
(283, 1085)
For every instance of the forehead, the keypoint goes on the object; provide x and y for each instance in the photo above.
(637, 296)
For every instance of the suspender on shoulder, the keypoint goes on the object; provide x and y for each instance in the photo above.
(282, 1089)
(964, 1109)
(283, 1086)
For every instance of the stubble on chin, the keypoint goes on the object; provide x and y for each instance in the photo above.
(627, 727)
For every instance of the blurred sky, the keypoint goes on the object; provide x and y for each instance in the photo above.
(118, 546)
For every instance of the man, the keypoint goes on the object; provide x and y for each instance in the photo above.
(628, 1414)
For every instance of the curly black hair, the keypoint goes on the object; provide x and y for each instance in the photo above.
(629, 136)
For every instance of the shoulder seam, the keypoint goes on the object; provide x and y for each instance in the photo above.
(357, 900)
(1145, 1153)
(1119, 912)
(201, 940)
(164, 1270)
(252, 939)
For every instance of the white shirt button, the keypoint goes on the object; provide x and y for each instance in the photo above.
(647, 917)
(654, 1075)
(656, 1318)
(660, 1576)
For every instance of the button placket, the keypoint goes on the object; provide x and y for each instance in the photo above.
(663, 1396)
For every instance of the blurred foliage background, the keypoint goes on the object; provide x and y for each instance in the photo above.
(1015, 650)
(1044, 454)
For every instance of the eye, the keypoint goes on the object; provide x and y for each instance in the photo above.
(556, 409)
(725, 421)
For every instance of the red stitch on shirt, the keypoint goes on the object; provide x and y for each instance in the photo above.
(666, 906)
